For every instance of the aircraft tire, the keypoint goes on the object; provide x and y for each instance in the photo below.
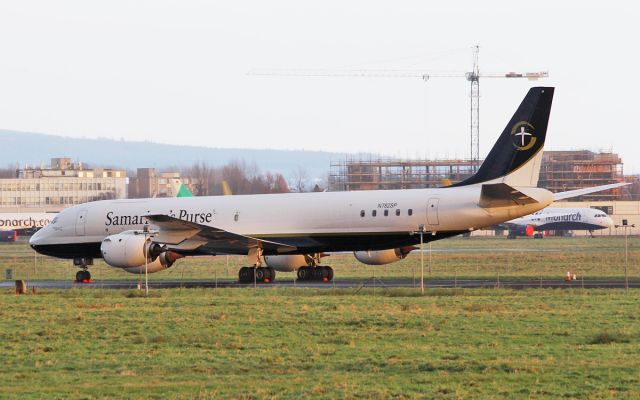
(325, 274)
(245, 275)
(82, 276)
(329, 273)
(303, 273)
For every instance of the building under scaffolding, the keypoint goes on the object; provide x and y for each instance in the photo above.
(569, 170)
(560, 171)
(386, 174)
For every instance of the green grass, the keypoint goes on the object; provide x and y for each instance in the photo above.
(465, 258)
(298, 343)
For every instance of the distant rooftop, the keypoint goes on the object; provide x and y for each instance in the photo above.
(64, 167)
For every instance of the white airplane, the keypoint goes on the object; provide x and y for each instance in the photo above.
(558, 219)
(292, 231)
(10, 223)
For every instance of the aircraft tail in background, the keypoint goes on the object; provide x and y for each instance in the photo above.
(180, 189)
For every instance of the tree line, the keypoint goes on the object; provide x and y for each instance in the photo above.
(242, 178)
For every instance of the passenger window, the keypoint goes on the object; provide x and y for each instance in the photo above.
(398, 212)
(362, 213)
(386, 213)
(373, 213)
(410, 212)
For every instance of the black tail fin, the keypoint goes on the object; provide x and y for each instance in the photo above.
(521, 140)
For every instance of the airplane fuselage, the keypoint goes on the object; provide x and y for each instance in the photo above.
(312, 222)
(565, 219)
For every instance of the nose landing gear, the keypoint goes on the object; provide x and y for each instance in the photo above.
(83, 276)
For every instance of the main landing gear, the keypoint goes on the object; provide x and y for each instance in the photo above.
(315, 273)
(83, 276)
(256, 274)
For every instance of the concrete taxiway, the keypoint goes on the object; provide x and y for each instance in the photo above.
(339, 284)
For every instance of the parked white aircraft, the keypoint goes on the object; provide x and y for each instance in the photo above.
(589, 219)
(10, 223)
(291, 231)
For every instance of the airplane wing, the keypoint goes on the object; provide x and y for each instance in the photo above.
(579, 192)
(173, 231)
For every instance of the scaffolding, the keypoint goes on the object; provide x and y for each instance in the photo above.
(560, 171)
(386, 174)
(569, 170)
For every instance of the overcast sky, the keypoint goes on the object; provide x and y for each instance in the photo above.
(176, 72)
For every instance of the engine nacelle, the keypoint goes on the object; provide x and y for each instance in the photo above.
(530, 230)
(127, 250)
(288, 262)
(162, 262)
(381, 257)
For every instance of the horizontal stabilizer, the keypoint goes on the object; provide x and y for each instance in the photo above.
(579, 192)
(502, 195)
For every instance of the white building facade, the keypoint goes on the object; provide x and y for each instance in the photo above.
(61, 185)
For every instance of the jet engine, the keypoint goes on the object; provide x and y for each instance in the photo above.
(127, 250)
(161, 263)
(381, 257)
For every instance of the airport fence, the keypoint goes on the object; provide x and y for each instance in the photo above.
(457, 259)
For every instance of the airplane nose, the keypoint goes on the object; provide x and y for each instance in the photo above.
(41, 240)
(33, 240)
(38, 238)
(609, 222)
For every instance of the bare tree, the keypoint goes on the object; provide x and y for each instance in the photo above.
(9, 172)
(300, 178)
(280, 185)
(241, 177)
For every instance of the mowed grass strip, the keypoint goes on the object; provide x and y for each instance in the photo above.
(298, 343)
(465, 258)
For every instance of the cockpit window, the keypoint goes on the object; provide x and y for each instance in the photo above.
(54, 220)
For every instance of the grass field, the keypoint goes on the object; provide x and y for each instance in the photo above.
(476, 257)
(298, 343)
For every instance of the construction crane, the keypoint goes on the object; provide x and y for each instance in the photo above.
(474, 95)
(473, 77)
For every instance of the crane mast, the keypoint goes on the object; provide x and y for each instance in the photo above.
(474, 94)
